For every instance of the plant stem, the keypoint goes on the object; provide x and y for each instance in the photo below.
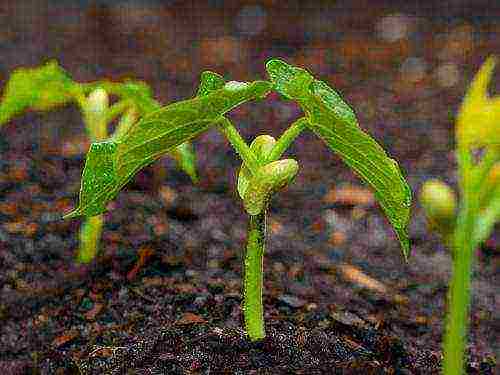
(239, 144)
(90, 234)
(459, 292)
(286, 140)
(117, 109)
(127, 120)
(253, 310)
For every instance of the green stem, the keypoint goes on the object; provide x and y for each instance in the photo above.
(253, 310)
(117, 109)
(90, 234)
(239, 144)
(127, 120)
(286, 139)
(91, 230)
(459, 292)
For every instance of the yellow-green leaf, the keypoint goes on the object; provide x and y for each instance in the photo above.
(39, 88)
(478, 122)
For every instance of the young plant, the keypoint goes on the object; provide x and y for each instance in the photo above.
(49, 86)
(112, 163)
(477, 129)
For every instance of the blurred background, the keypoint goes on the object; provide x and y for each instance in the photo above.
(403, 66)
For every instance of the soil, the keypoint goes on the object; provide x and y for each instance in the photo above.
(164, 294)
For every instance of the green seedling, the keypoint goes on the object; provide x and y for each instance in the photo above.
(465, 228)
(49, 87)
(112, 163)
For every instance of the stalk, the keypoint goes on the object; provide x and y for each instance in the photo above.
(253, 310)
(239, 144)
(94, 109)
(459, 294)
(457, 320)
(90, 235)
(286, 139)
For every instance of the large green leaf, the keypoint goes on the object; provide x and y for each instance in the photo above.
(334, 121)
(111, 164)
(140, 94)
(39, 88)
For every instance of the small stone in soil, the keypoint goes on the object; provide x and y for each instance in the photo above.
(292, 301)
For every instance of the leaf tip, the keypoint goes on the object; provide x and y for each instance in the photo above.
(71, 215)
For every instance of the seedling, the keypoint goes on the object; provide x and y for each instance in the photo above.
(49, 87)
(477, 132)
(112, 163)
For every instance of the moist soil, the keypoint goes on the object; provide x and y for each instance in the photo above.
(164, 294)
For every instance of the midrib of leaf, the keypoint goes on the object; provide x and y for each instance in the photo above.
(349, 145)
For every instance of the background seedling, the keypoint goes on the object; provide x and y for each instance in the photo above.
(112, 163)
(48, 87)
(477, 128)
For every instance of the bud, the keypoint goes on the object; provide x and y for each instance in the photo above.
(269, 178)
(98, 102)
(261, 146)
(95, 114)
(440, 204)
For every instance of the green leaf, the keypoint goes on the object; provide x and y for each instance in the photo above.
(111, 164)
(334, 121)
(290, 81)
(39, 88)
(185, 156)
(139, 93)
(209, 81)
(261, 147)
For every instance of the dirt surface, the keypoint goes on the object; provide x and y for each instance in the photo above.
(164, 294)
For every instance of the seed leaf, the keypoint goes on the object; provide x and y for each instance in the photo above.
(334, 121)
(39, 88)
(111, 164)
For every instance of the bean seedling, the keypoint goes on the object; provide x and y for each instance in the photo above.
(112, 163)
(49, 87)
(465, 228)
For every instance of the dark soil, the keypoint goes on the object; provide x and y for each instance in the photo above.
(163, 296)
(332, 304)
